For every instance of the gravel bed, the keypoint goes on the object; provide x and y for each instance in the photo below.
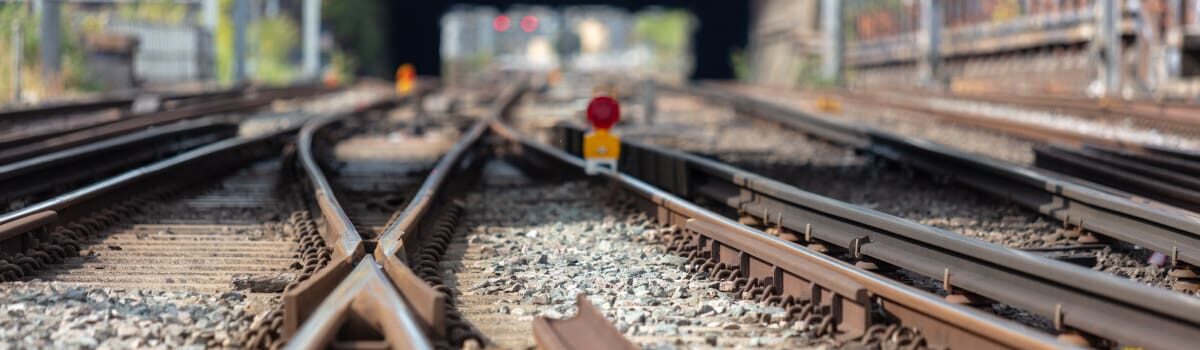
(527, 251)
(838, 173)
(689, 124)
(52, 315)
(966, 138)
(286, 113)
(1099, 127)
(813, 165)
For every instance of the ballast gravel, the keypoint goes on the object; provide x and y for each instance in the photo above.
(51, 315)
(530, 250)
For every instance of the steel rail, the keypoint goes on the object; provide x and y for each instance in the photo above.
(125, 106)
(587, 330)
(1180, 116)
(240, 147)
(402, 234)
(96, 159)
(793, 271)
(325, 300)
(1093, 209)
(29, 237)
(130, 124)
(1170, 231)
(381, 289)
(1022, 130)
(1078, 298)
(353, 286)
(1124, 172)
(116, 101)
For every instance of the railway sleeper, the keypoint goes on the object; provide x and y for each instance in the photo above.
(820, 310)
(266, 331)
(51, 244)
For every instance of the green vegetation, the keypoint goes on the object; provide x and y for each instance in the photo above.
(666, 31)
(273, 40)
(74, 75)
(224, 40)
(357, 28)
(809, 74)
(154, 11)
(741, 64)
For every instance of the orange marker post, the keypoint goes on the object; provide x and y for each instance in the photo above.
(406, 76)
(601, 149)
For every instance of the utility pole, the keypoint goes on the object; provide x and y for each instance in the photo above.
(241, 14)
(212, 9)
(17, 46)
(929, 42)
(50, 36)
(312, 33)
(1110, 17)
(831, 25)
(649, 101)
(1174, 37)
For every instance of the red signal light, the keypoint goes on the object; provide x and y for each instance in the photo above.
(529, 23)
(501, 23)
(603, 112)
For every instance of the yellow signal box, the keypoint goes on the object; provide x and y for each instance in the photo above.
(601, 150)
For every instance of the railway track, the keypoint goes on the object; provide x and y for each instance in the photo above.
(418, 250)
(1133, 162)
(25, 144)
(143, 242)
(1167, 116)
(430, 275)
(1101, 211)
(749, 199)
(42, 177)
(165, 234)
(197, 239)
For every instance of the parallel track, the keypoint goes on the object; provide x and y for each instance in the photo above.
(752, 194)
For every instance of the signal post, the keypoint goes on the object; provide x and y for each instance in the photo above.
(602, 149)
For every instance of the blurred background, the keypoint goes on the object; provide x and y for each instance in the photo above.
(62, 48)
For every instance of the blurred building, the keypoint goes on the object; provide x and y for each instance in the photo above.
(595, 39)
(1015, 46)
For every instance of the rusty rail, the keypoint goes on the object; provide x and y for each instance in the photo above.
(1089, 301)
(383, 289)
(1165, 179)
(28, 235)
(587, 330)
(43, 173)
(318, 307)
(783, 272)
(1095, 210)
(118, 100)
(1168, 115)
(133, 123)
(356, 301)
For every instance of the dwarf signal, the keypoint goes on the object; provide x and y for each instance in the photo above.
(601, 149)
(406, 77)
